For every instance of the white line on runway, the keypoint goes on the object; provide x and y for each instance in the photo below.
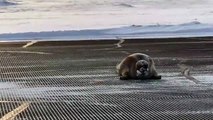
(29, 44)
(11, 115)
(120, 42)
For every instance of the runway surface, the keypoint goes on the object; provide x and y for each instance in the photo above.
(77, 80)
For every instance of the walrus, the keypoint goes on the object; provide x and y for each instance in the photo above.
(137, 66)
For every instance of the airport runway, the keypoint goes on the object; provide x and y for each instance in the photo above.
(77, 80)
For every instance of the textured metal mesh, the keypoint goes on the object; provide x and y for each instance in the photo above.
(74, 81)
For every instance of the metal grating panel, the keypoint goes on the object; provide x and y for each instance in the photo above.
(79, 82)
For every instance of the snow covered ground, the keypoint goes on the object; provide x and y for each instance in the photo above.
(72, 19)
(193, 29)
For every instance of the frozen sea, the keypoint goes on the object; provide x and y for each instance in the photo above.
(95, 19)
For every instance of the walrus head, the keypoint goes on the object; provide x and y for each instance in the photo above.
(142, 67)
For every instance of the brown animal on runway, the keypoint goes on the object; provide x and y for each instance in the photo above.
(137, 66)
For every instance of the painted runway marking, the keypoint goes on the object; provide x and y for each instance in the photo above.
(186, 72)
(11, 115)
(119, 42)
(118, 45)
(29, 44)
